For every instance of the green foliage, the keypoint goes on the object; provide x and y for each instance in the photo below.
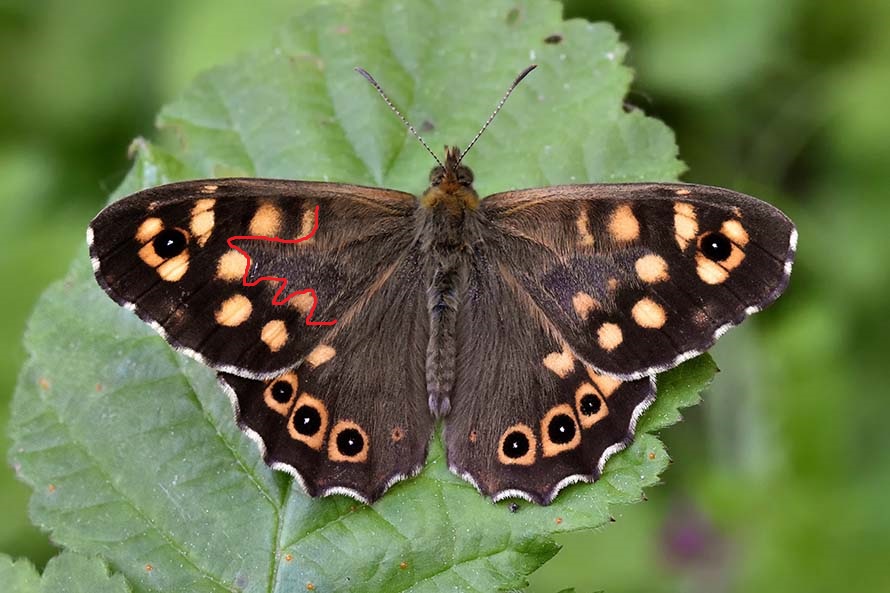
(67, 573)
(131, 448)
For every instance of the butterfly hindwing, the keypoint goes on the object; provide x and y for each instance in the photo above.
(353, 417)
(165, 252)
(639, 277)
(527, 416)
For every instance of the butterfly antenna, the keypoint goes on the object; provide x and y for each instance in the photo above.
(500, 104)
(411, 129)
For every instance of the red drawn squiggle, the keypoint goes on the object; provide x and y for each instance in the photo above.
(283, 281)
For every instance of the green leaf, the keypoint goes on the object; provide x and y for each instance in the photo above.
(66, 573)
(18, 576)
(131, 448)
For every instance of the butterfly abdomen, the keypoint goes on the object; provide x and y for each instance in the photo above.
(443, 223)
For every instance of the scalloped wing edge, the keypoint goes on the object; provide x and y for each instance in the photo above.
(610, 451)
(690, 354)
(130, 306)
(294, 472)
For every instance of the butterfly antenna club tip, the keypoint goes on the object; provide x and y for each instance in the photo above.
(367, 76)
(500, 104)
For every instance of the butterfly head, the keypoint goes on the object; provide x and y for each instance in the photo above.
(452, 175)
(451, 183)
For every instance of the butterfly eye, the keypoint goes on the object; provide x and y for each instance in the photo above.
(169, 243)
(436, 175)
(464, 175)
(716, 246)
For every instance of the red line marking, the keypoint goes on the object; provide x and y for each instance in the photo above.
(283, 281)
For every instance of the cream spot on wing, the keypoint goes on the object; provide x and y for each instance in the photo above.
(652, 268)
(609, 336)
(266, 222)
(174, 268)
(583, 304)
(148, 255)
(209, 189)
(736, 233)
(274, 335)
(606, 384)
(202, 220)
(682, 192)
(234, 311)
(623, 225)
(710, 271)
(612, 284)
(302, 302)
(560, 363)
(231, 266)
(649, 314)
(320, 355)
(735, 258)
(148, 229)
(583, 224)
(307, 223)
(685, 224)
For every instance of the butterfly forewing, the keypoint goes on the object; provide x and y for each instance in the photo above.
(637, 278)
(170, 254)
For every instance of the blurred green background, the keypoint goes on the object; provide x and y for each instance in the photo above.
(782, 476)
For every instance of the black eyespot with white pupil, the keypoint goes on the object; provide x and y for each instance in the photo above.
(169, 243)
(307, 421)
(350, 442)
(282, 391)
(516, 445)
(716, 246)
(561, 429)
(590, 405)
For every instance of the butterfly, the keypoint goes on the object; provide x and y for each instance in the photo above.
(345, 321)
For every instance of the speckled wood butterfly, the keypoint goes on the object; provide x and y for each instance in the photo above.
(345, 320)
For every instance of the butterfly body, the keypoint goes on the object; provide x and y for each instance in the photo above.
(531, 323)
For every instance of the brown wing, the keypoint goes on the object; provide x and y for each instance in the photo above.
(165, 253)
(637, 278)
(527, 416)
